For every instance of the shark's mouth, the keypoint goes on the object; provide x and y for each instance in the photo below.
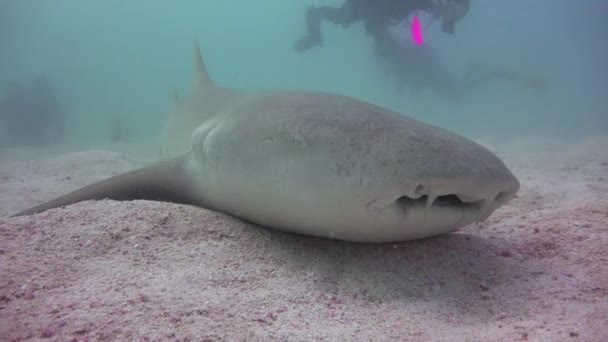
(482, 206)
(440, 201)
(443, 210)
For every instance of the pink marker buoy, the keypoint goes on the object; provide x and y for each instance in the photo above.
(416, 31)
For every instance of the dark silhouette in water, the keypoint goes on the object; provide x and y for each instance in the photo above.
(32, 114)
(377, 16)
(419, 67)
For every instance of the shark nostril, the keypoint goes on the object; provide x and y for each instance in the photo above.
(419, 191)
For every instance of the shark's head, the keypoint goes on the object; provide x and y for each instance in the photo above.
(421, 181)
(443, 190)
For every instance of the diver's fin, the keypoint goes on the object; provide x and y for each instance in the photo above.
(533, 80)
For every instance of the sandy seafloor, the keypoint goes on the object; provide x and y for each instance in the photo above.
(537, 270)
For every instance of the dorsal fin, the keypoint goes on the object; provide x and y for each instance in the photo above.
(201, 77)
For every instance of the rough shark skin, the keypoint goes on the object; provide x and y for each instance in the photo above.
(313, 163)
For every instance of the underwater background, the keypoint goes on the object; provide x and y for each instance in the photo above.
(86, 86)
(120, 60)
